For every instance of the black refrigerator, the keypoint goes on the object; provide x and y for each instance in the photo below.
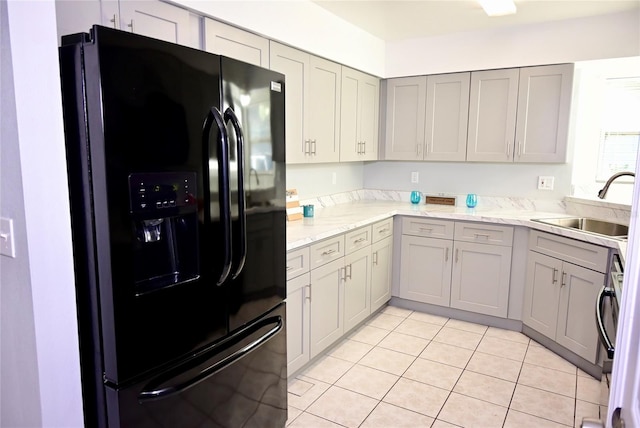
(176, 176)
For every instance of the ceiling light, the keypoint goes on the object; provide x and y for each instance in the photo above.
(498, 7)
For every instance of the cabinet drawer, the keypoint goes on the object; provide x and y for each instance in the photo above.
(297, 262)
(382, 229)
(484, 233)
(357, 239)
(577, 252)
(325, 251)
(427, 227)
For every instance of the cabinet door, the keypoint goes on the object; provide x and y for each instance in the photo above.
(481, 275)
(406, 98)
(492, 115)
(381, 259)
(297, 322)
(327, 306)
(223, 39)
(294, 64)
(156, 19)
(357, 286)
(425, 270)
(544, 103)
(350, 144)
(369, 118)
(576, 326)
(447, 115)
(542, 294)
(323, 119)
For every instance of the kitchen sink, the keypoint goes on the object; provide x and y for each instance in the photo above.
(590, 225)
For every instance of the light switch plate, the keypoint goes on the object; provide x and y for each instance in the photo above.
(414, 177)
(7, 241)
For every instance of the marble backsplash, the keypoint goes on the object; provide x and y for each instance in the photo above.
(484, 202)
(603, 210)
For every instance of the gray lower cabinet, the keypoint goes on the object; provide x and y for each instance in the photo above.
(560, 295)
(357, 287)
(381, 269)
(298, 305)
(327, 306)
(456, 264)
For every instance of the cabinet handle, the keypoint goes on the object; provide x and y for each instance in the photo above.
(508, 149)
(308, 294)
(519, 148)
(555, 276)
(364, 147)
(130, 25)
(289, 267)
(347, 275)
(457, 255)
(313, 142)
(482, 235)
(564, 279)
(307, 147)
(375, 258)
(343, 273)
(326, 253)
(446, 255)
(115, 21)
(359, 240)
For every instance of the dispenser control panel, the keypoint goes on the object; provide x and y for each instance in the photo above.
(162, 192)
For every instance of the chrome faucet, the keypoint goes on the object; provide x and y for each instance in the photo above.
(603, 192)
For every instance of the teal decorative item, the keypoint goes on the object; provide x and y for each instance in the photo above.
(416, 196)
(472, 200)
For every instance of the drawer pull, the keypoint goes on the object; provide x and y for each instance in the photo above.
(289, 267)
(426, 229)
(328, 252)
(359, 240)
(385, 230)
(482, 235)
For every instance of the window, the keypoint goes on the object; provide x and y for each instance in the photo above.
(620, 131)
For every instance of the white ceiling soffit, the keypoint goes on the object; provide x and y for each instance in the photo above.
(394, 20)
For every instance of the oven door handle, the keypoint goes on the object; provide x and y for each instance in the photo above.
(602, 331)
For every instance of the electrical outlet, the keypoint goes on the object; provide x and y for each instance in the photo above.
(414, 177)
(545, 182)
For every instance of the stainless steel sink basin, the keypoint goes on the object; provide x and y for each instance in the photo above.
(590, 225)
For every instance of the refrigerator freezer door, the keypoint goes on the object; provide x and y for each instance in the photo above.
(240, 383)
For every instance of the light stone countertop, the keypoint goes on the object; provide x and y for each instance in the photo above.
(334, 220)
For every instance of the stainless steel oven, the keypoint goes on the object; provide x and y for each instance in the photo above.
(607, 309)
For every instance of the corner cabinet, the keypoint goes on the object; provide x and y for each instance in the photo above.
(223, 39)
(564, 277)
(312, 99)
(359, 116)
(520, 115)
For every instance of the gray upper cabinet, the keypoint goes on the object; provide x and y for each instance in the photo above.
(312, 99)
(158, 20)
(544, 104)
(520, 115)
(359, 116)
(406, 102)
(223, 39)
(492, 115)
(447, 117)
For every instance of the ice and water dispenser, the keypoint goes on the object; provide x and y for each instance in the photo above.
(164, 212)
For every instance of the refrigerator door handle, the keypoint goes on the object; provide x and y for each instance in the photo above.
(223, 184)
(152, 390)
(230, 116)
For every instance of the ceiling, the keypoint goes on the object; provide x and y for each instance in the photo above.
(394, 20)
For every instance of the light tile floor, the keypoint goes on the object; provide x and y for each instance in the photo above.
(410, 369)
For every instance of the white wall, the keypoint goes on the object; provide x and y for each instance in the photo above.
(488, 179)
(19, 385)
(303, 25)
(317, 179)
(605, 36)
(47, 245)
